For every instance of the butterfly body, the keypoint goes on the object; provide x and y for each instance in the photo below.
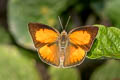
(62, 49)
(63, 39)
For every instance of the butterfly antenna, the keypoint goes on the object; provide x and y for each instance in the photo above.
(67, 22)
(60, 22)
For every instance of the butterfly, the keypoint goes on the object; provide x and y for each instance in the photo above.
(62, 49)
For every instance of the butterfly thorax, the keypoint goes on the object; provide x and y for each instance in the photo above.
(63, 39)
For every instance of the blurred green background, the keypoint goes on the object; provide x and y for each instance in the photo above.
(19, 59)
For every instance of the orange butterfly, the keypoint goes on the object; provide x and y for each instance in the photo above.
(62, 49)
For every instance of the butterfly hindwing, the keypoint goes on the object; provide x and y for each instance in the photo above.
(80, 42)
(74, 55)
(50, 54)
(45, 40)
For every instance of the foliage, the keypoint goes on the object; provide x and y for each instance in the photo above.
(63, 74)
(4, 36)
(13, 66)
(112, 12)
(32, 11)
(108, 71)
(107, 43)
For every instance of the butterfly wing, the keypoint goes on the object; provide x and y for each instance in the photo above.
(74, 55)
(45, 40)
(80, 42)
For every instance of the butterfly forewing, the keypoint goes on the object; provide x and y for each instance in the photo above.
(83, 36)
(45, 40)
(42, 34)
(80, 42)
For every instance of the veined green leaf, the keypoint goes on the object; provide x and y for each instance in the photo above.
(107, 43)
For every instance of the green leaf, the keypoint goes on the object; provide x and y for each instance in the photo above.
(108, 71)
(107, 43)
(63, 74)
(4, 36)
(14, 66)
(20, 13)
(112, 12)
